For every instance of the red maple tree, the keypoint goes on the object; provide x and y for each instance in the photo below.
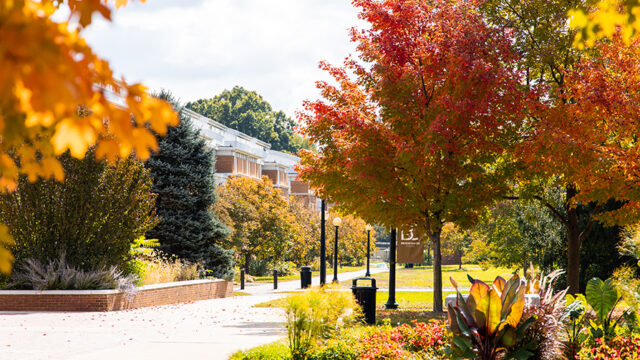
(416, 133)
(582, 136)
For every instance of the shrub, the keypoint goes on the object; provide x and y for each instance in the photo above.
(383, 344)
(273, 351)
(420, 341)
(341, 348)
(620, 347)
(546, 336)
(316, 314)
(285, 268)
(59, 275)
(258, 267)
(218, 262)
(161, 269)
(92, 217)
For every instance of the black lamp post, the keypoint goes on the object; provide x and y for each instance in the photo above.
(323, 247)
(368, 228)
(336, 222)
(391, 302)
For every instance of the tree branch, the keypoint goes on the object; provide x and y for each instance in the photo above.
(583, 235)
(553, 210)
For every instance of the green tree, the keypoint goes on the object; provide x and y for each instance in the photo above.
(258, 216)
(523, 232)
(247, 112)
(182, 172)
(92, 217)
(305, 246)
(455, 241)
(352, 239)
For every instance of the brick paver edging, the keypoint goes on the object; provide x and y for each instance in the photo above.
(109, 300)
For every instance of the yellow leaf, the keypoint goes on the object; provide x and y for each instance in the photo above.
(109, 150)
(577, 19)
(51, 167)
(76, 136)
(517, 309)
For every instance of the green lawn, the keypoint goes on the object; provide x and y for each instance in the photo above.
(410, 299)
(405, 299)
(423, 276)
(296, 276)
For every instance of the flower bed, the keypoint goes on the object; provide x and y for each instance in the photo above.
(110, 300)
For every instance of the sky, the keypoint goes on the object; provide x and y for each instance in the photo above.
(198, 48)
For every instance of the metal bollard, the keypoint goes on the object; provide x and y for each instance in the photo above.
(275, 279)
(242, 279)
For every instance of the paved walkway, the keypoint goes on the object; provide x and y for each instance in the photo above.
(294, 285)
(211, 329)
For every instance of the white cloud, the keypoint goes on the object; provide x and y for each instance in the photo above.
(197, 48)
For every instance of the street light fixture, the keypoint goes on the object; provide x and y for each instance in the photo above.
(336, 222)
(368, 228)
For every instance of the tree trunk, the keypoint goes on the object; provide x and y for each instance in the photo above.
(574, 242)
(247, 258)
(437, 271)
(460, 263)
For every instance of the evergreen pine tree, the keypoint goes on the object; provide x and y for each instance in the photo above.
(182, 172)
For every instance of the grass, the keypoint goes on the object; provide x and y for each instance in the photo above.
(274, 351)
(423, 276)
(410, 299)
(296, 276)
(406, 300)
(406, 316)
(240, 293)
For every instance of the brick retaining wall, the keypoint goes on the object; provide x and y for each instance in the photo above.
(109, 300)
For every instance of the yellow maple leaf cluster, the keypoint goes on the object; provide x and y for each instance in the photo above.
(604, 20)
(55, 96)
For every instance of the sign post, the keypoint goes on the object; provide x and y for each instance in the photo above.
(391, 302)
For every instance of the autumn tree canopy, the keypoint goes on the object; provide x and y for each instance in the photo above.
(413, 133)
(54, 96)
(581, 120)
(258, 217)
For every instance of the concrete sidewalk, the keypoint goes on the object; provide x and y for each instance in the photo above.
(210, 329)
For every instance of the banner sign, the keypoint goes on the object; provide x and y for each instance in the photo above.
(410, 248)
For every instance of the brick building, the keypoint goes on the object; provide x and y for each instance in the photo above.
(242, 155)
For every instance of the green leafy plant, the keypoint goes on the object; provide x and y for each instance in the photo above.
(488, 324)
(603, 298)
(619, 347)
(141, 250)
(576, 333)
(314, 315)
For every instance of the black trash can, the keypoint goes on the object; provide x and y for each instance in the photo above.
(366, 297)
(305, 277)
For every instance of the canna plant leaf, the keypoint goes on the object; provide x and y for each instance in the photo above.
(490, 319)
(602, 296)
